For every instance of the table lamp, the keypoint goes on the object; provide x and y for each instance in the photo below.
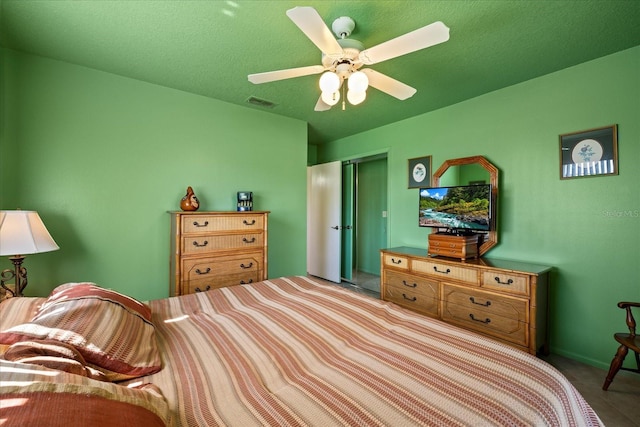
(21, 233)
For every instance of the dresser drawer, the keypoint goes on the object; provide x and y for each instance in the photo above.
(215, 282)
(414, 284)
(419, 295)
(505, 282)
(395, 261)
(209, 223)
(504, 328)
(200, 268)
(414, 302)
(486, 302)
(199, 244)
(500, 316)
(202, 274)
(446, 271)
(194, 286)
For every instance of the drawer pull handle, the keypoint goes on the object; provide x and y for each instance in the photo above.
(404, 282)
(409, 299)
(242, 282)
(486, 304)
(508, 282)
(198, 245)
(207, 271)
(487, 320)
(246, 266)
(197, 224)
(398, 262)
(253, 240)
(206, 289)
(447, 271)
(245, 222)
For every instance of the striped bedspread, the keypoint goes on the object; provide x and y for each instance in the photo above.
(32, 395)
(299, 352)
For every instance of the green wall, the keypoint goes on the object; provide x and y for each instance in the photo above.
(102, 158)
(8, 152)
(588, 229)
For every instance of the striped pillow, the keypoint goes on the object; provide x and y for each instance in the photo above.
(113, 332)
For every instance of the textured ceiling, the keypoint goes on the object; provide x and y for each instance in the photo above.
(209, 47)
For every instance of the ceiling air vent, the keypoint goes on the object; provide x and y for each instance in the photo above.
(260, 102)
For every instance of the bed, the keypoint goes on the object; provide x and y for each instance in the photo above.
(291, 351)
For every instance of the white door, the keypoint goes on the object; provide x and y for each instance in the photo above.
(324, 217)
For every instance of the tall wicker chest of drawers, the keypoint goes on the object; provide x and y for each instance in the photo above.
(505, 300)
(212, 250)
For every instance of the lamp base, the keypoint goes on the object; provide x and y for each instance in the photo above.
(19, 273)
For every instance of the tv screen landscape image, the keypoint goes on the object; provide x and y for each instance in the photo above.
(465, 207)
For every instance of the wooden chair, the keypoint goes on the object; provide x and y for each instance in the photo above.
(627, 341)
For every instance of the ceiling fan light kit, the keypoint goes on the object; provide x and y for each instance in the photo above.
(356, 98)
(342, 58)
(330, 98)
(329, 82)
(358, 82)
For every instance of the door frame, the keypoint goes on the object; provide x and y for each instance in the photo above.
(357, 212)
(355, 159)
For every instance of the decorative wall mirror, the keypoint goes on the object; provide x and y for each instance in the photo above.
(468, 171)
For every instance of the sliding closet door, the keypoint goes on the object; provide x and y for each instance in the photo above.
(348, 220)
(371, 221)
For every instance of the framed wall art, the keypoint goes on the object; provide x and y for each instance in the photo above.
(420, 172)
(591, 152)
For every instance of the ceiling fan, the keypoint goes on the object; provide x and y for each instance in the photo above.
(343, 58)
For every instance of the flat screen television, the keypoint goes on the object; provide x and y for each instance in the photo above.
(463, 207)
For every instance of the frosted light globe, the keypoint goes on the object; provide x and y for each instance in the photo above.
(358, 82)
(329, 82)
(356, 98)
(330, 98)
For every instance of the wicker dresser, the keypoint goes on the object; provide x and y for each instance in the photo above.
(505, 300)
(216, 249)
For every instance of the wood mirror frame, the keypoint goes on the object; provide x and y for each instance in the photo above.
(490, 238)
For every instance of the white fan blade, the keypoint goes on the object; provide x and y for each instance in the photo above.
(311, 23)
(321, 105)
(421, 38)
(272, 76)
(389, 85)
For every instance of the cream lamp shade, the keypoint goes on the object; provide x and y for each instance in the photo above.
(23, 233)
